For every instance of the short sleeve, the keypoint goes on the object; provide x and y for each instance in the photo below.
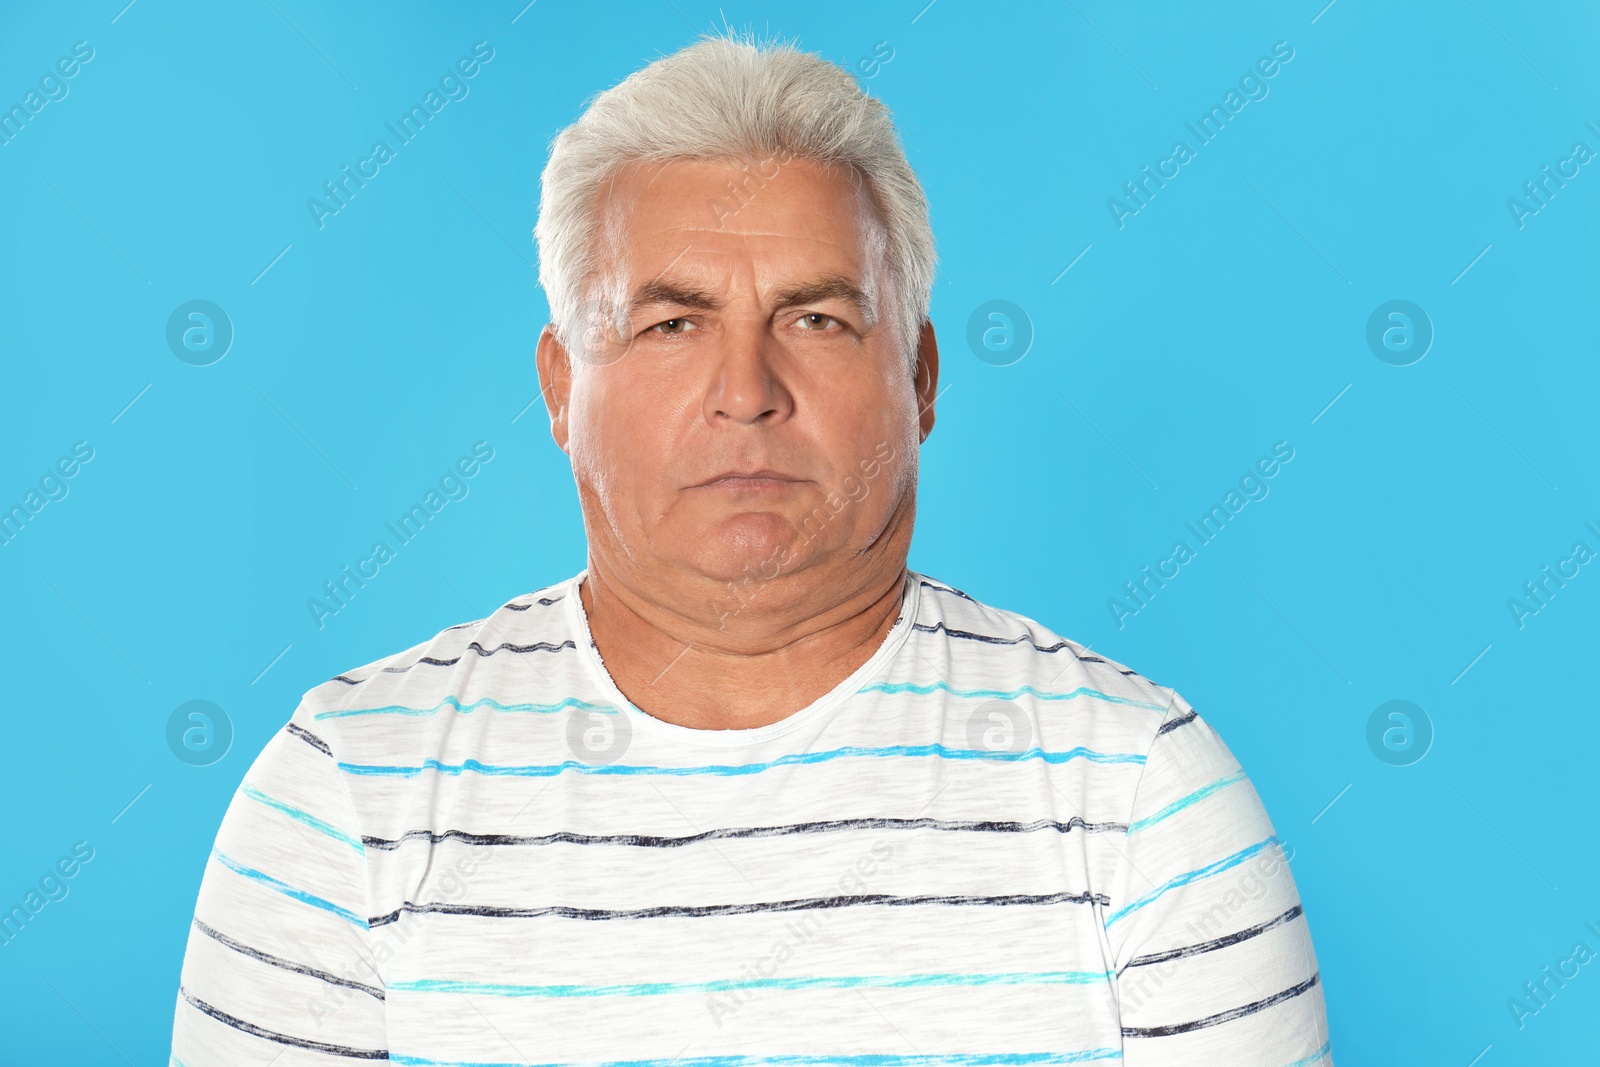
(1213, 955)
(279, 967)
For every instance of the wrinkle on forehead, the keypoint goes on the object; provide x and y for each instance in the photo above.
(751, 233)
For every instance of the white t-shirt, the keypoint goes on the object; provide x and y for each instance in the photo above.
(985, 846)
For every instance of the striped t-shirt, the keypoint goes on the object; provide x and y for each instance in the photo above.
(984, 846)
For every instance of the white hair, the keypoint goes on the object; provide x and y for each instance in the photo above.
(734, 100)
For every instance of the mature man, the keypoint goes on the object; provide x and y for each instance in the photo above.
(746, 790)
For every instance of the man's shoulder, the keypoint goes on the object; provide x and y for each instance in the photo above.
(1008, 644)
(530, 623)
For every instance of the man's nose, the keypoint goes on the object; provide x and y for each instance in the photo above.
(747, 385)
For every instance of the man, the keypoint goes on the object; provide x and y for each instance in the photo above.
(746, 790)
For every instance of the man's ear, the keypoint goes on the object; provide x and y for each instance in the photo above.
(927, 383)
(555, 381)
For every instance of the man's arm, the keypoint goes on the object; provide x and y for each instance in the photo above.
(279, 967)
(1213, 956)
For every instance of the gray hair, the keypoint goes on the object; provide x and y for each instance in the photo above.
(728, 99)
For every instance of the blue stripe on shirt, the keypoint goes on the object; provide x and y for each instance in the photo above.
(552, 769)
(465, 709)
(875, 687)
(1004, 694)
(650, 989)
(288, 890)
(1178, 805)
(1192, 876)
(868, 1059)
(301, 817)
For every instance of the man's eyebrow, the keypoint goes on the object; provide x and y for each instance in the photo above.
(827, 287)
(676, 294)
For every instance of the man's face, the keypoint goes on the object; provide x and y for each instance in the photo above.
(751, 418)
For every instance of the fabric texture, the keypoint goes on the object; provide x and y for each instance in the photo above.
(986, 846)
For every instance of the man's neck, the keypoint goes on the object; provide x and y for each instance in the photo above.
(786, 642)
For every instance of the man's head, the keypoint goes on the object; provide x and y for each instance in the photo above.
(738, 262)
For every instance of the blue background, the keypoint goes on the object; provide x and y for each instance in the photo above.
(1229, 313)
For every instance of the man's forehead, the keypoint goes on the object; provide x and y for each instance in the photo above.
(646, 174)
(800, 200)
(665, 238)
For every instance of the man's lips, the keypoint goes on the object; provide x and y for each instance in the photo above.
(764, 478)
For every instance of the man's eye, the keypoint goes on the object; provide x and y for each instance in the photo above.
(671, 326)
(809, 322)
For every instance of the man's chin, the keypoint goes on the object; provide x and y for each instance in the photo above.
(746, 546)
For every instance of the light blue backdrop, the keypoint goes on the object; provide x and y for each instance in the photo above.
(1171, 347)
